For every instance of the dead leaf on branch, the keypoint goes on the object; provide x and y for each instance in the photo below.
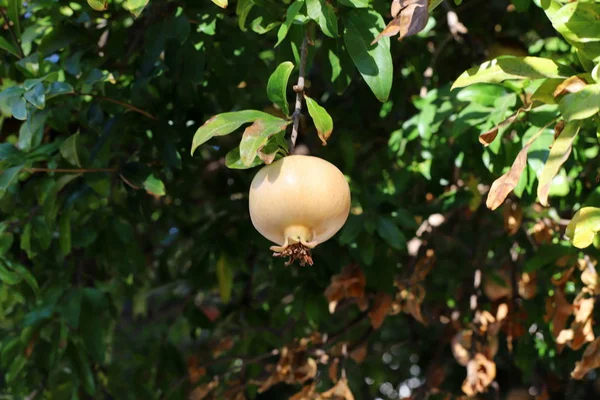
(380, 309)
(513, 217)
(194, 371)
(333, 370)
(423, 267)
(570, 85)
(589, 361)
(350, 283)
(202, 391)
(293, 367)
(506, 183)
(558, 310)
(488, 137)
(408, 300)
(360, 353)
(410, 18)
(340, 391)
(481, 372)
(581, 331)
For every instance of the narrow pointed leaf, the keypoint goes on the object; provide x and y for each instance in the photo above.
(225, 278)
(221, 3)
(291, 13)
(14, 15)
(98, 5)
(321, 118)
(582, 104)
(36, 96)
(508, 67)
(277, 85)
(322, 13)
(68, 150)
(559, 153)
(8, 46)
(373, 61)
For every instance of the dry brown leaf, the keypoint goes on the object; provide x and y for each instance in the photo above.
(481, 372)
(544, 395)
(563, 278)
(435, 376)
(506, 183)
(380, 309)
(202, 391)
(589, 277)
(461, 345)
(513, 217)
(267, 158)
(582, 325)
(569, 85)
(423, 267)
(561, 311)
(359, 354)
(589, 361)
(340, 390)
(333, 370)
(488, 137)
(195, 372)
(528, 285)
(350, 283)
(293, 367)
(409, 301)
(410, 18)
(307, 393)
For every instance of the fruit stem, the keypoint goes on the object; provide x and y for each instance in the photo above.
(299, 89)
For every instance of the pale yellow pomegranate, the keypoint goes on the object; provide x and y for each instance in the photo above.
(299, 202)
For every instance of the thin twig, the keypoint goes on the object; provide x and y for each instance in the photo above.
(121, 103)
(70, 170)
(12, 34)
(299, 89)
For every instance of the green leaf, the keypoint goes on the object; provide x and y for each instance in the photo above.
(559, 153)
(79, 357)
(6, 241)
(68, 150)
(98, 5)
(581, 105)
(323, 14)
(257, 135)
(64, 231)
(14, 16)
(57, 89)
(242, 10)
(291, 13)
(388, 231)
(225, 278)
(321, 118)
(154, 186)
(135, 6)
(374, 62)
(509, 67)
(224, 124)
(8, 276)
(16, 366)
(583, 227)
(277, 85)
(8, 46)
(220, 3)
(233, 160)
(8, 177)
(71, 307)
(32, 131)
(579, 23)
(19, 108)
(481, 93)
(352, 228)
(27, 277)
(355, 3)
(36, 96)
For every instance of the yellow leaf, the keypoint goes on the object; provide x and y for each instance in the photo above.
(220, 3)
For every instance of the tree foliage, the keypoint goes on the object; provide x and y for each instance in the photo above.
(130, 132)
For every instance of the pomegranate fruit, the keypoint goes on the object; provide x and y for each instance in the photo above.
(297, 203)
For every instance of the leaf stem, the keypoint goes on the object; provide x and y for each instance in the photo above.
(12, 34)
(299, 89)
(70, 170)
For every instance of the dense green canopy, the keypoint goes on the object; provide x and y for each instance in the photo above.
(130, 131)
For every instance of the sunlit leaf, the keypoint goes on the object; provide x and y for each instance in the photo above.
(98, 5)
(410, 18)
(257, 135)
(277, 85)
(584, 226)
(323, 14)
(559, 153)
(321, 118)
(291, 13)
(221, 3)
(582, 104)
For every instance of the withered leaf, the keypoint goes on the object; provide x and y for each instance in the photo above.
(307, 393)
(202, 391)
(481, 372)
(380, 309)
(582, 325)
(569, 85)
(589, 361)
(528, 285)
(267, 158)
(359, 354)
(560, 311)
(513, 217)
(340, 390)
(507, 182)
(461, 345)
(423, 267)
(194, 371)
(410, 18)
(350, 283)
(333, 370)
(488, 137)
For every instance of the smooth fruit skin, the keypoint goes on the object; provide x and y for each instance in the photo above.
(299, 199)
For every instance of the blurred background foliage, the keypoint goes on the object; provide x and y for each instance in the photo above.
(130, 269)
